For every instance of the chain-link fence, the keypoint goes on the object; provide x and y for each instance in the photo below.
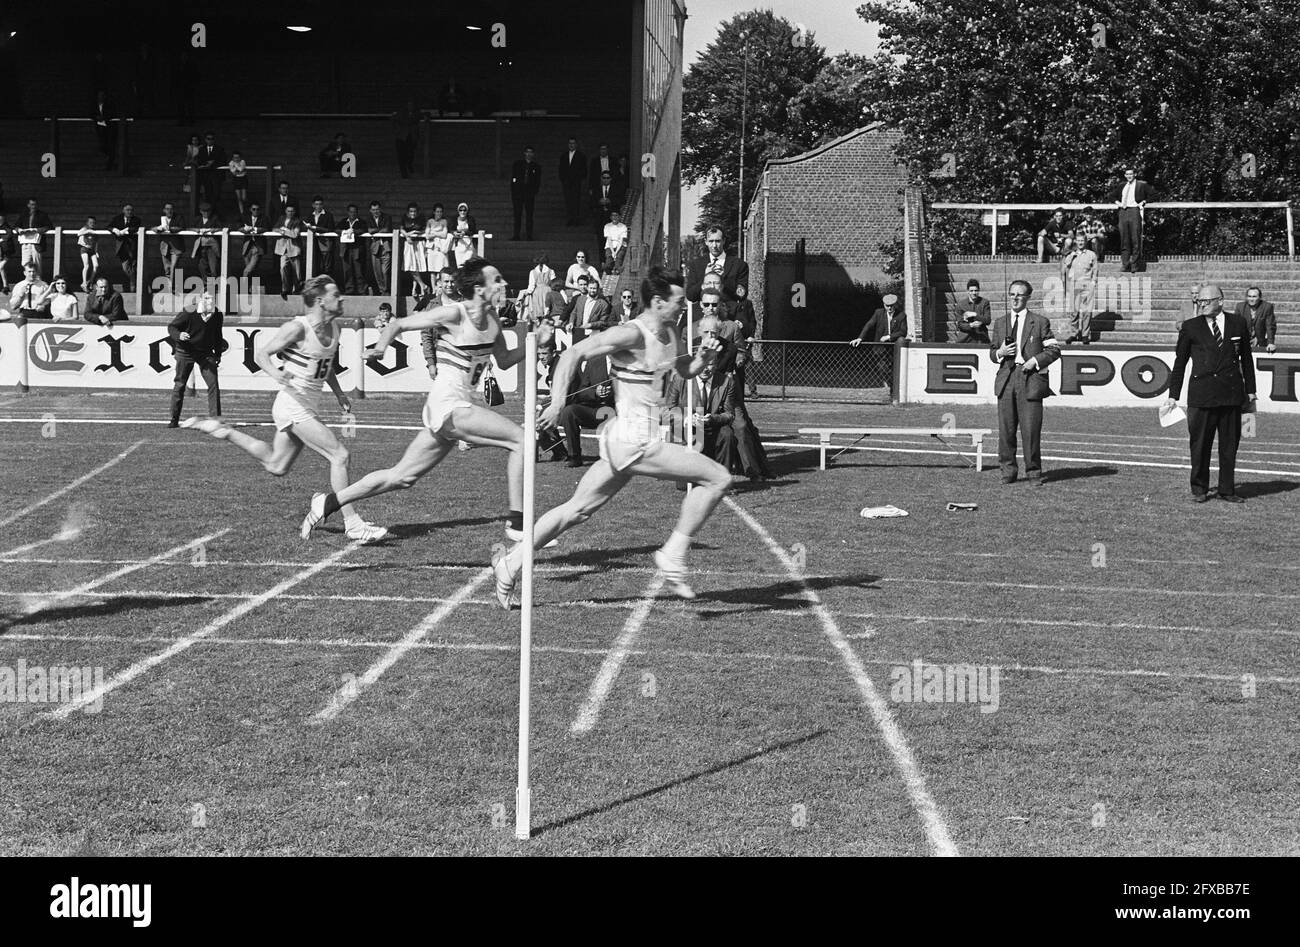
(823, 371)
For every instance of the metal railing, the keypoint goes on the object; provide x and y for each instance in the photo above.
(123, 124)
(824, 371)
(192, 182)
(995, 209)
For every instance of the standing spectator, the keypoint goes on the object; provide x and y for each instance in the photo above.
(413, 262)
(973, 326)
(1131, 199)
(8, 251)
(351, 230)
(172, 245)
(238, 169)
(105, 306)
(463, 229)
(193, 150)
(125, 227)
(186, 84)
(733, 270)
(603, 163)
(105, 129)
(197, 339)
(437, 244)
(255, 225)
(381, 250)
(1052, 238)
(604, 200)
(587, 311)
(212, 169)
(1260, 319)
(533, 299)
(289, 251)
(578, 269)
(615, 242)
(62, 305)
(525, 182)
(207, 245)
(573, 171)
(331, 156)
(32, 225)
(623, 173)
(589, 392)
(452, 98)
(1024, 352)
(280, 201)
(322, 221)
(30, 295)
(627, 309)
(406, 127)
(1091, 232)
(888, 324)
(1079, 277)
(1222, 383)
(88, 249)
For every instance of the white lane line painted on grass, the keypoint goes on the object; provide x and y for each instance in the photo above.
(936, 830)
(14, 517)
(1088, 589)
(1069, 623)
(44, 600)
(353, 689)
(154, 422)
(589, 712)
(188, 641)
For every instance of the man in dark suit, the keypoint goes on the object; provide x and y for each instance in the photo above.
(525, 182)
(104, 306)
(721, 323)
(1131, 199)
(1260, 319)
(171, 246)
(715, 406)
(586, 311)
(573, 171)
(1024, 346)
(381, 250)
(733, 270)
(1222, 383)
(354, 274)
(280, 200)
(207, 245)
(31, 227)
(589, 391)
(322, 220)
(212, 168)
(600, 164)
(606, 197)
(974, 316)
(105, 129)
(254, 244)
(196, 339)
(125, 227)
(885, 325)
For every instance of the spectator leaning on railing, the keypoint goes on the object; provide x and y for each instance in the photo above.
(125, 226)
(171, 246)
(289, 251)
(351, 229)
(321, 221)
(254, 225)
(207, 245)
(104, 306)
(888, 324)
(88, 248)
(31, 227)
(381, 249)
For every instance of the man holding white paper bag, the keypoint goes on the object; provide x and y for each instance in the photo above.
(1223, 383)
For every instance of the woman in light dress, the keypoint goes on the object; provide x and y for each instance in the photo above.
(463, 230)
(437, 243)
(533, 299)
(413, 248)
(63, 304)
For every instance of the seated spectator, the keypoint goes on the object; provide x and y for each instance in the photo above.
(62, 305)
(1051, 239)
(579, 268)
(1090, 231)
(1260, 318)
(885, 325)
(238, 169)
(105, 306)
(749, 457)
(88, 248)
(975, 316)
(29, 296)
(331, 156)
(289, 250)
(615, 242)
(714, 404)
(589, 391)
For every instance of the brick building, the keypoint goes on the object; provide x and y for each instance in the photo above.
(819, 218)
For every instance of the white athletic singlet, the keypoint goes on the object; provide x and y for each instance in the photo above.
(308, 364)
(463, 353)
(638, 389)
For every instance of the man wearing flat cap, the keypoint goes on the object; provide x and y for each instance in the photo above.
(885, 325)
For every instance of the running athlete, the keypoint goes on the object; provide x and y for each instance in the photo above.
(641, 352)
(470, 336)
(308, 347)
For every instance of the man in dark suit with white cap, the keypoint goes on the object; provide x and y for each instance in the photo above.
(885, 325)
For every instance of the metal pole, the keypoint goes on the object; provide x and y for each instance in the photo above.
(223, 297)
(139, 270)
(995, 232)
(523, 791)
(744, 102)
(784, 346)
(58, 254)
(395, 268)
(1290, 232)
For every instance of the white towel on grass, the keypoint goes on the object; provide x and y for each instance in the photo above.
(881, 512)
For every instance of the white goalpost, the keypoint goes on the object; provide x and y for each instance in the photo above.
(523, 792)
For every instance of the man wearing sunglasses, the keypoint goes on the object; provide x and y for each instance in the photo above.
(627, 307)
(1222, 384)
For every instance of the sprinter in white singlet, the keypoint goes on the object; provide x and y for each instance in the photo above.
(306, 349)
(454, 409)
(642, 352)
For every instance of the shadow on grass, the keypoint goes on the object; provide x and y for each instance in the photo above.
(784, 594)
(102, 609)
(1058, 474)
(416, 530)
(1263, 488)
(679, 781)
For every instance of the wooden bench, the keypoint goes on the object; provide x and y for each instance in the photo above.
(825, 434)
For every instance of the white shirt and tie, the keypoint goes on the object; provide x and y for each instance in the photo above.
(1216, 326)
(1018, 321)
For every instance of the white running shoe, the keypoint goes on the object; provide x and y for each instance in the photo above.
(315, 515)
(517, 536)
(675, 574)
(505, 580)
(366, 532)
(214, 426)
(463, 446)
